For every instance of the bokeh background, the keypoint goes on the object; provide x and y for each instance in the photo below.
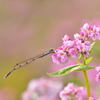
(29, 27)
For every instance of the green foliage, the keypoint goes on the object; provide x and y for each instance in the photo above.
(70, 69)
(84, 67)
(88, 60)
(91, 47)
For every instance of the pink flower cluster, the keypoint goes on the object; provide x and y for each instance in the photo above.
(98, 74)
(79, 45)
(42, 89)
(72, 92)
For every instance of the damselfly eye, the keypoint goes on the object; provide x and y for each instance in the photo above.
(52, 51)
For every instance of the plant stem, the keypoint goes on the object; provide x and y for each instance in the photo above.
(87, 83)
(86, 78)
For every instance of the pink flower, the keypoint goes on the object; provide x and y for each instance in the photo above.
(63, 52)
(71, 91)
(85, 30)
(59, 56)
(26, 96)
(95, 34)
(73, 52)
(97, 68)
(98, 74)
(66, 38)
(69, 44)
(45, 98)
(98, 77)
(92, 31)
(92, 98)
(77, 36)
(42, 89)
(80, 45)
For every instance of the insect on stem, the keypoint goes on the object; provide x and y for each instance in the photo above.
(28, 61)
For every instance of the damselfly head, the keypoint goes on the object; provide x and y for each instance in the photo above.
(52, 50)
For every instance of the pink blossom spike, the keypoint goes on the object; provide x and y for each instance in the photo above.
(97, 68)
(71, 91)
(98, 77)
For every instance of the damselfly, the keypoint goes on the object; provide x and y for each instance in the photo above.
(28, 61)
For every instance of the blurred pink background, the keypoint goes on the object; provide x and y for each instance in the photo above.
(28, 27)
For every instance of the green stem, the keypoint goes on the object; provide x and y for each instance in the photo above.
(87, 81)
(87, 84)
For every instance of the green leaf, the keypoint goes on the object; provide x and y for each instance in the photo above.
(91, 47)
(84, 67)
(64, 71)
(88, 60)
(70, 69)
